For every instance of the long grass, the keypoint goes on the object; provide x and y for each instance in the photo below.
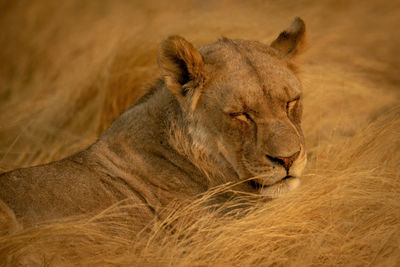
(68, 69)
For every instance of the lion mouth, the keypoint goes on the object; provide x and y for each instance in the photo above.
(287, 177)
(284, 185)
(257, 185)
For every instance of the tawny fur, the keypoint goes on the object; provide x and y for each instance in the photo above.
(72, 67)
(227, 112)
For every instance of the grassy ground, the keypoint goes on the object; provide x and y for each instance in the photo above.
(69, 68)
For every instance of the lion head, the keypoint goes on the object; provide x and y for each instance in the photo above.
(243, 103)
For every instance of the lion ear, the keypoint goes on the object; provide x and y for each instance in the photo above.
(291, 41)
(180, 64)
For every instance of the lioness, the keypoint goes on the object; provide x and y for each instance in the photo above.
(226, 112)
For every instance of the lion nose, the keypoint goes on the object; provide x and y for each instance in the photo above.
(286, 162)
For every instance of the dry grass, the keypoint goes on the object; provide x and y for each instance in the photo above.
(68, 69)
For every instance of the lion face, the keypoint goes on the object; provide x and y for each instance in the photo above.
(245, 106)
